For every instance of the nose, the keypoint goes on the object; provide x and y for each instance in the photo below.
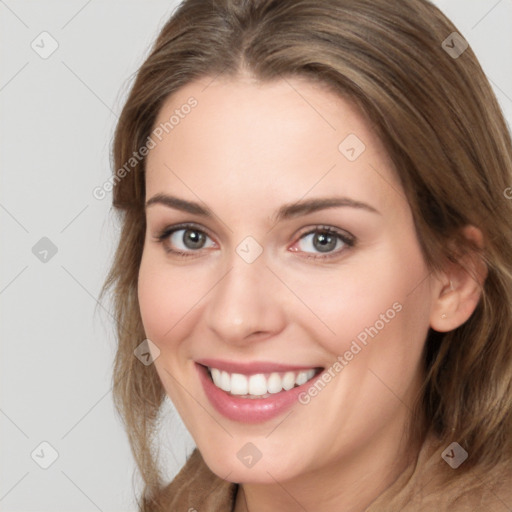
(245, 304)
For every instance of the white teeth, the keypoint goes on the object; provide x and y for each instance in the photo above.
(225, 381)
(274, 383)
(303, 377)
(288, 380)
(215, 376)
(258, 385)
(239, 384)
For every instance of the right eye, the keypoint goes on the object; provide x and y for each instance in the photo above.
(184, 240)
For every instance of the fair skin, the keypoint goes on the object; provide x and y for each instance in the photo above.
(245, 151)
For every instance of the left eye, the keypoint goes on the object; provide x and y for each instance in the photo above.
(323, 241)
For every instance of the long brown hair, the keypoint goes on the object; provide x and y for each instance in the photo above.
(441, 124)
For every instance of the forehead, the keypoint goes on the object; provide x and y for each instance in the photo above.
(266, 144)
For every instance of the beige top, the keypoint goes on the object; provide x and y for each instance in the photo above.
(419, 488)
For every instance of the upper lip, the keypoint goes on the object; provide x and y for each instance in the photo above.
(253, 367)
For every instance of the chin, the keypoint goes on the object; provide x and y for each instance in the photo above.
(244, 463)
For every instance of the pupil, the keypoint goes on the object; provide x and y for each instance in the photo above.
(324, 242)
(193, 239)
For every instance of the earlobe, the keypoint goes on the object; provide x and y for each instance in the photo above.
(459, 288)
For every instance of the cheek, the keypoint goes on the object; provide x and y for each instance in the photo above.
(163, 298)
(170, 297)
(166, 301)
(374, 298)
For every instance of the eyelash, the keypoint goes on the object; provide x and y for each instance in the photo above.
(347, 239)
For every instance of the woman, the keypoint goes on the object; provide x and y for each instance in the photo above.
(315, 249)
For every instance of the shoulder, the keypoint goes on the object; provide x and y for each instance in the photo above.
(195, 487)
(431, 483)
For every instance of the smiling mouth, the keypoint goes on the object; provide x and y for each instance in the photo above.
(260, 385)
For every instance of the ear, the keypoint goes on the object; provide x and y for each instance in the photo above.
(458, 288)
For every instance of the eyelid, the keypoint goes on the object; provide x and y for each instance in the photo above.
(347, 238)
(163, 234)
(322, 228)
(169, 229)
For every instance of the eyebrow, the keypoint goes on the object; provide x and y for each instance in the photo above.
(287, 211)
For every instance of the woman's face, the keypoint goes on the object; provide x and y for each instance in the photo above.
(292, 257)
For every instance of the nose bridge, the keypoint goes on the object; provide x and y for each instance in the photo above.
(241, 304)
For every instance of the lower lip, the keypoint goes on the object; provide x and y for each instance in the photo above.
(248, 410)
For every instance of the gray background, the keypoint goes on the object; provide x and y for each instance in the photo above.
(56, 123)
